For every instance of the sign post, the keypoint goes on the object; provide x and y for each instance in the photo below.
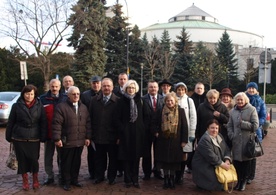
(265, 59)
(23, 71)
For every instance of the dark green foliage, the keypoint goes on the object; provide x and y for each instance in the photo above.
(116, 47)
(226, 56)
(9, 72)
(88, 39)
(206, 66)
(183, 48)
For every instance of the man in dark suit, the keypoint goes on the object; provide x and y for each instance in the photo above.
(153, 103)
(122, 79)
(105, 136)
(86, 96)
(118, 91)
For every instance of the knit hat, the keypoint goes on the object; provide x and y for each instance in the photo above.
(180, 84)
(226, 91)
(252, 84)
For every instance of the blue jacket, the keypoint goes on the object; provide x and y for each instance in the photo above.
(258, 103)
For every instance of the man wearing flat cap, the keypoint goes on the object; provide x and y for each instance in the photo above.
(96, 84)
(165, 87)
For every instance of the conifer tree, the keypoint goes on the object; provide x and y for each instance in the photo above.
(89, 24)
(183, 48)
(226, 56)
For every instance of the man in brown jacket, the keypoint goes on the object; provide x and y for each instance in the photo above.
(71, 131)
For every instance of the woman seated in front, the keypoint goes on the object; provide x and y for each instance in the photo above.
(212, 151)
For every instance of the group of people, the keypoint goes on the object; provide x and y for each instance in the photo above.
(118, 127)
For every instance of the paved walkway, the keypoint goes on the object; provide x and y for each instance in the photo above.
(264, 183)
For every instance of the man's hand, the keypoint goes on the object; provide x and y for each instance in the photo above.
(59, 144)
(87, 142)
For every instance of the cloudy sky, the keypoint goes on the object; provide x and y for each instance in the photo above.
(245, 15)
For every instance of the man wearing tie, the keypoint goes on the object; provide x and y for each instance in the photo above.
(102, 110)
(122, 79)
(153, 103)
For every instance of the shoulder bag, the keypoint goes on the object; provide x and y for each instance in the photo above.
(11, 161)
(253, 147)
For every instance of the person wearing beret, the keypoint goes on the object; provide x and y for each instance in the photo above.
(256, 101)
(227, 98)
(165, 87)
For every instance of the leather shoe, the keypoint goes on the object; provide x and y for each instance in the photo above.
(158, 176)
(67, 187)
(127, 185)
(48, 181)
(146, 178)
(136, 185)
(76, 184)
(111, 182)
(249, 181)
(97, 181)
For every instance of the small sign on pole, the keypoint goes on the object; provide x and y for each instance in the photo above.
(23, 71)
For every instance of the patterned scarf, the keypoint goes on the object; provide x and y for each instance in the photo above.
(169, 121)
(133, 107)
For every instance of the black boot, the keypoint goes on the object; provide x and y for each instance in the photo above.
(237, 187)
(178, 177)
(242, 185)
(172, 182)
(166, 182)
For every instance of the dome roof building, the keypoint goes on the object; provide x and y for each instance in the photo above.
(201, 26)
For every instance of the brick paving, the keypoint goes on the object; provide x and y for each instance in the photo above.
(11, 183)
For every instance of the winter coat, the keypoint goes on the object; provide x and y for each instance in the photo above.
(87, 95)
(27, 124)
(49, 104)
(67, 124)
(205, 113)
(242, 123)
(189, 107)
(103, 130)
(208, 155)
(131, 135)
(198, 99)
(169, 150)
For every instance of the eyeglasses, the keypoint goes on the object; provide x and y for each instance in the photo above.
(75, 93)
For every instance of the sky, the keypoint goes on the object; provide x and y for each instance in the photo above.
(245, 15)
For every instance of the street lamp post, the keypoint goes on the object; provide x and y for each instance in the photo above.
(142, 67)
(127, 50)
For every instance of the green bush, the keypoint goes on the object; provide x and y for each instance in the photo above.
(270, 99)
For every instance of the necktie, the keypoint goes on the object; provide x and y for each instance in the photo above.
(154, 103)
(105, 99)
(76, 108)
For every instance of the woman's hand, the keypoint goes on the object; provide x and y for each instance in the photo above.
(225, 166)
(183, 144)
(216, 113)
(59, 143)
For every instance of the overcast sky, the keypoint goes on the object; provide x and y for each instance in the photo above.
(246, 15)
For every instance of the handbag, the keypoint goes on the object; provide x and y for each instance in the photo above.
(12, 161)
(225, 177)
(253, 147)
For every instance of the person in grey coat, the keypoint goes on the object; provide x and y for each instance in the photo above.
(243, 122)
(212, 151)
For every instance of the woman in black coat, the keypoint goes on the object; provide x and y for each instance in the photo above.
(171, 138)
(129, 121)
(212, 108)
(26, 128)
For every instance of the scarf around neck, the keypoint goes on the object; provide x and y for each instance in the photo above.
(169, 121)
(253, 99)
(133, 107)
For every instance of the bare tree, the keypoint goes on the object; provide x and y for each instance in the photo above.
(39, 26)
(167, 68)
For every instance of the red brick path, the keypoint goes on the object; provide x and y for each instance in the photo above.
(264, 183)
